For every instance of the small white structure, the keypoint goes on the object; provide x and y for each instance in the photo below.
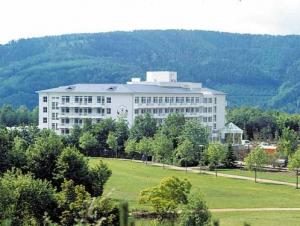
(160, 95)
(232, 133)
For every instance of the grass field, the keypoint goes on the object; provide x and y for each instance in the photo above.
(259, 218)
(239, 218)
(280, 176)
(129, 178)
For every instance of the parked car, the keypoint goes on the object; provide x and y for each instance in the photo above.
(263, 144)
(281, 162)
(247, 143)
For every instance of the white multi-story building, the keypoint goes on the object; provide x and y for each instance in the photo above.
(160, 95)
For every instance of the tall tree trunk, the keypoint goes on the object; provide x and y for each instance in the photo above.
(185, 166)
(297, 179)
(255, 175)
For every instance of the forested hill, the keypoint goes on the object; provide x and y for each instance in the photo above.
(259, 70)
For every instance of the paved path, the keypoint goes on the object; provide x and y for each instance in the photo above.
(193, 170)
(253, 209)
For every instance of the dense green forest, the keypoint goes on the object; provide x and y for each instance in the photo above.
(256, 70)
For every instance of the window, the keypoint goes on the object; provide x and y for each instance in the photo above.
(90, 99)
(143, 100)
(215, 118)
(171, 110)
(159, 111)
(187, 110)
(215, 100)
(148, 100)
(100, 99)
(45, 109)
(188, 100)
(108, 111)
(108, 100)
(215, 126)
(210, 100)
(78, 121)
(209, 119)
(155, 100)
(143, 111)
(171, 100)
(160, 100)
(65, 99)
(167, 99)
(192, 100)
(177, 100)
(136, 100)
(182, 100)
(65, 131)
(53, 116)
(45, 99)
(197, 100)
(155, 111)
(204, 119)
(209, 110)
(78, 99)
(44, 120)
(205, 100)
(67, 120)
(136, 111)
(215, 109)
(53, 125)
(167, 110)
(177, 110)
(205, 110)
(89, 110)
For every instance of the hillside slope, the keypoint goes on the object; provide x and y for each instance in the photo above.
(257, 70)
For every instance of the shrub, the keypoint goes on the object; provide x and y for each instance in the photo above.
(195, 213)
(25, 199)
(165, 197)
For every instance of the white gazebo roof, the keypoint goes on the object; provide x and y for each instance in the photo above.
(231, 128)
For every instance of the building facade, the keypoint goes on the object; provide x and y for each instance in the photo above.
(160, 95)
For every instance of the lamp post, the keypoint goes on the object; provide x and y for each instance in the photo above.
(201, 146)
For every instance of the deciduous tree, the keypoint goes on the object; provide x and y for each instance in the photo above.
(165, 197)
(294, 164)
(256, 159)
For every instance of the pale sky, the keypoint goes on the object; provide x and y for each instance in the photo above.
(35, 18)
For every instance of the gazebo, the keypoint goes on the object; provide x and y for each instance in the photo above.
(232, 133)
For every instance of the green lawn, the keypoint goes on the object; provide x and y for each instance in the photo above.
(129, 178)
(289, 218)
(280, 176)
(276, 218)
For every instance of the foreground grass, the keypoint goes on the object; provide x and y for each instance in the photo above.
(129, 178)
(280, 176)
(289, 218)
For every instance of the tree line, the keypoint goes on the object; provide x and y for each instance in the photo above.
(263, 125)
(20, 116)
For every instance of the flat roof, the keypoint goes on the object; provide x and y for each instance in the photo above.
(127, 88)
